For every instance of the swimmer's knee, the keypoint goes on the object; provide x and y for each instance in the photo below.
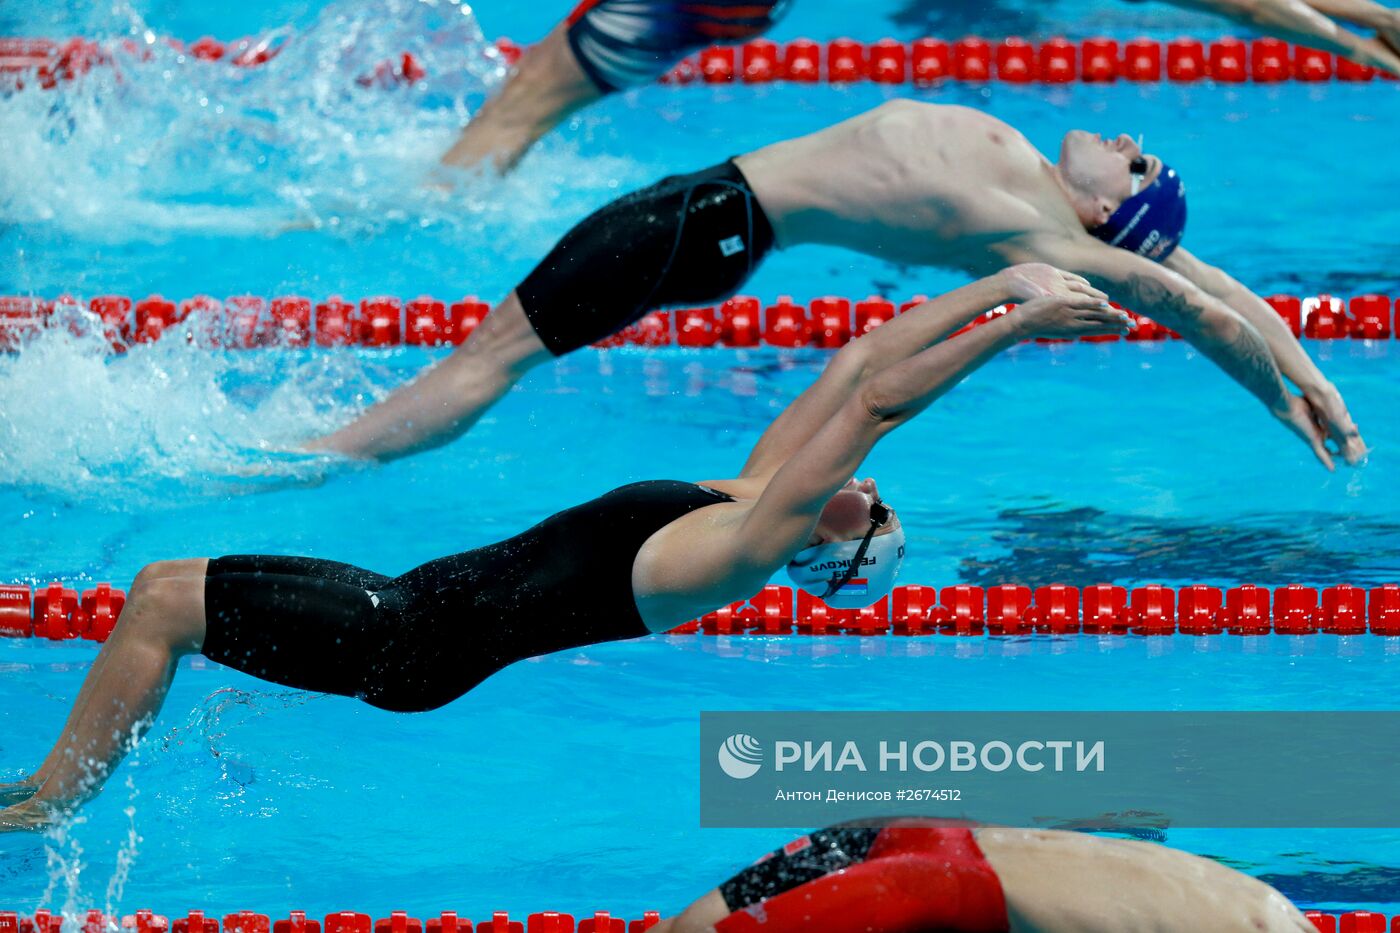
(165, 608)
(504, 341)
(161, 569)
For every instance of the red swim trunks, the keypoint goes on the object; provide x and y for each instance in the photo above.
(902, 876)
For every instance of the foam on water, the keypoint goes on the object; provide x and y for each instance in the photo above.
(192, 422)
(159, 143)
(166, 141)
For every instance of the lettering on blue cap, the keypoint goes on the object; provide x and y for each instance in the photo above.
(1152, 222)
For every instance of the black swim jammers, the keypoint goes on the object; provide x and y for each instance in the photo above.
(420, 640)
(688, 239)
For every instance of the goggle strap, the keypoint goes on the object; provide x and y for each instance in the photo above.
(875, 522)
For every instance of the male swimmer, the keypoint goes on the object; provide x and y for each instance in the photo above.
(640, 559)
(908, 182)
(610, 45)
(917, 875)
(602, 47)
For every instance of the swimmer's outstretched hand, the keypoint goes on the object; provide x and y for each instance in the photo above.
(1039, 280)
(1329, 413)
(1299, 21)
(1072, 316)
(1298, 417)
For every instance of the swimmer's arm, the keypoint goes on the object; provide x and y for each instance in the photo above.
(1230, 341)
(782, 519)
(893, 342)
(699, 917)
(1292, 359)
(706, 557)
(546, 86)
(1307, 23)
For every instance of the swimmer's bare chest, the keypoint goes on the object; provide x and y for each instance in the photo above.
(910, 184)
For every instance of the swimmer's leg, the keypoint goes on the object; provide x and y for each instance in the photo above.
(157, 571)
(163, 621)
(316, 567)
(547, 85)
(444, 402)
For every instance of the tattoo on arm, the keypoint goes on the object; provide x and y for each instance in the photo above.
(1155, 295)
(1244, 355)
(1257, 365)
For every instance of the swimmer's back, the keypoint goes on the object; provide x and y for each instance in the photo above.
(1170, 889)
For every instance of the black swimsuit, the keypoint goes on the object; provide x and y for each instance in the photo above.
(418, 641)
(686, 240)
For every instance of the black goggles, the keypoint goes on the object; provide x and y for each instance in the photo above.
(879, 515)
(1137, 170)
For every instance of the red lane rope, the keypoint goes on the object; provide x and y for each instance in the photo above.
(925, 61)
(247, 921)
(61, 613)
(248, 321)
(1016, 61)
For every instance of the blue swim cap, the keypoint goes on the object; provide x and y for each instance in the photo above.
(1151, 222)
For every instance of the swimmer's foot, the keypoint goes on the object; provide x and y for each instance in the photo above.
(25, 817)
(11, 794)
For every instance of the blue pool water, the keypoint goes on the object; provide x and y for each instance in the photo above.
(570, 781)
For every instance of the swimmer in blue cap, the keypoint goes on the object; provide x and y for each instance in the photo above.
(906, 182)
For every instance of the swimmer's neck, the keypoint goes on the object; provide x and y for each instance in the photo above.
(1074, 200)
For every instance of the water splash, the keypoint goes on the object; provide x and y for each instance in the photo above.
(186, 758)
(127, 851)
(231, 709)
(77, 422)
(160, 141)
(65, 861)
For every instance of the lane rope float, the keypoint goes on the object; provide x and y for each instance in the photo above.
(251, 321)
(58, 612)
(925, 61)
(248, 921)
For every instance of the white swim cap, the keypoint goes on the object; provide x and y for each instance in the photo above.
(826, 571)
